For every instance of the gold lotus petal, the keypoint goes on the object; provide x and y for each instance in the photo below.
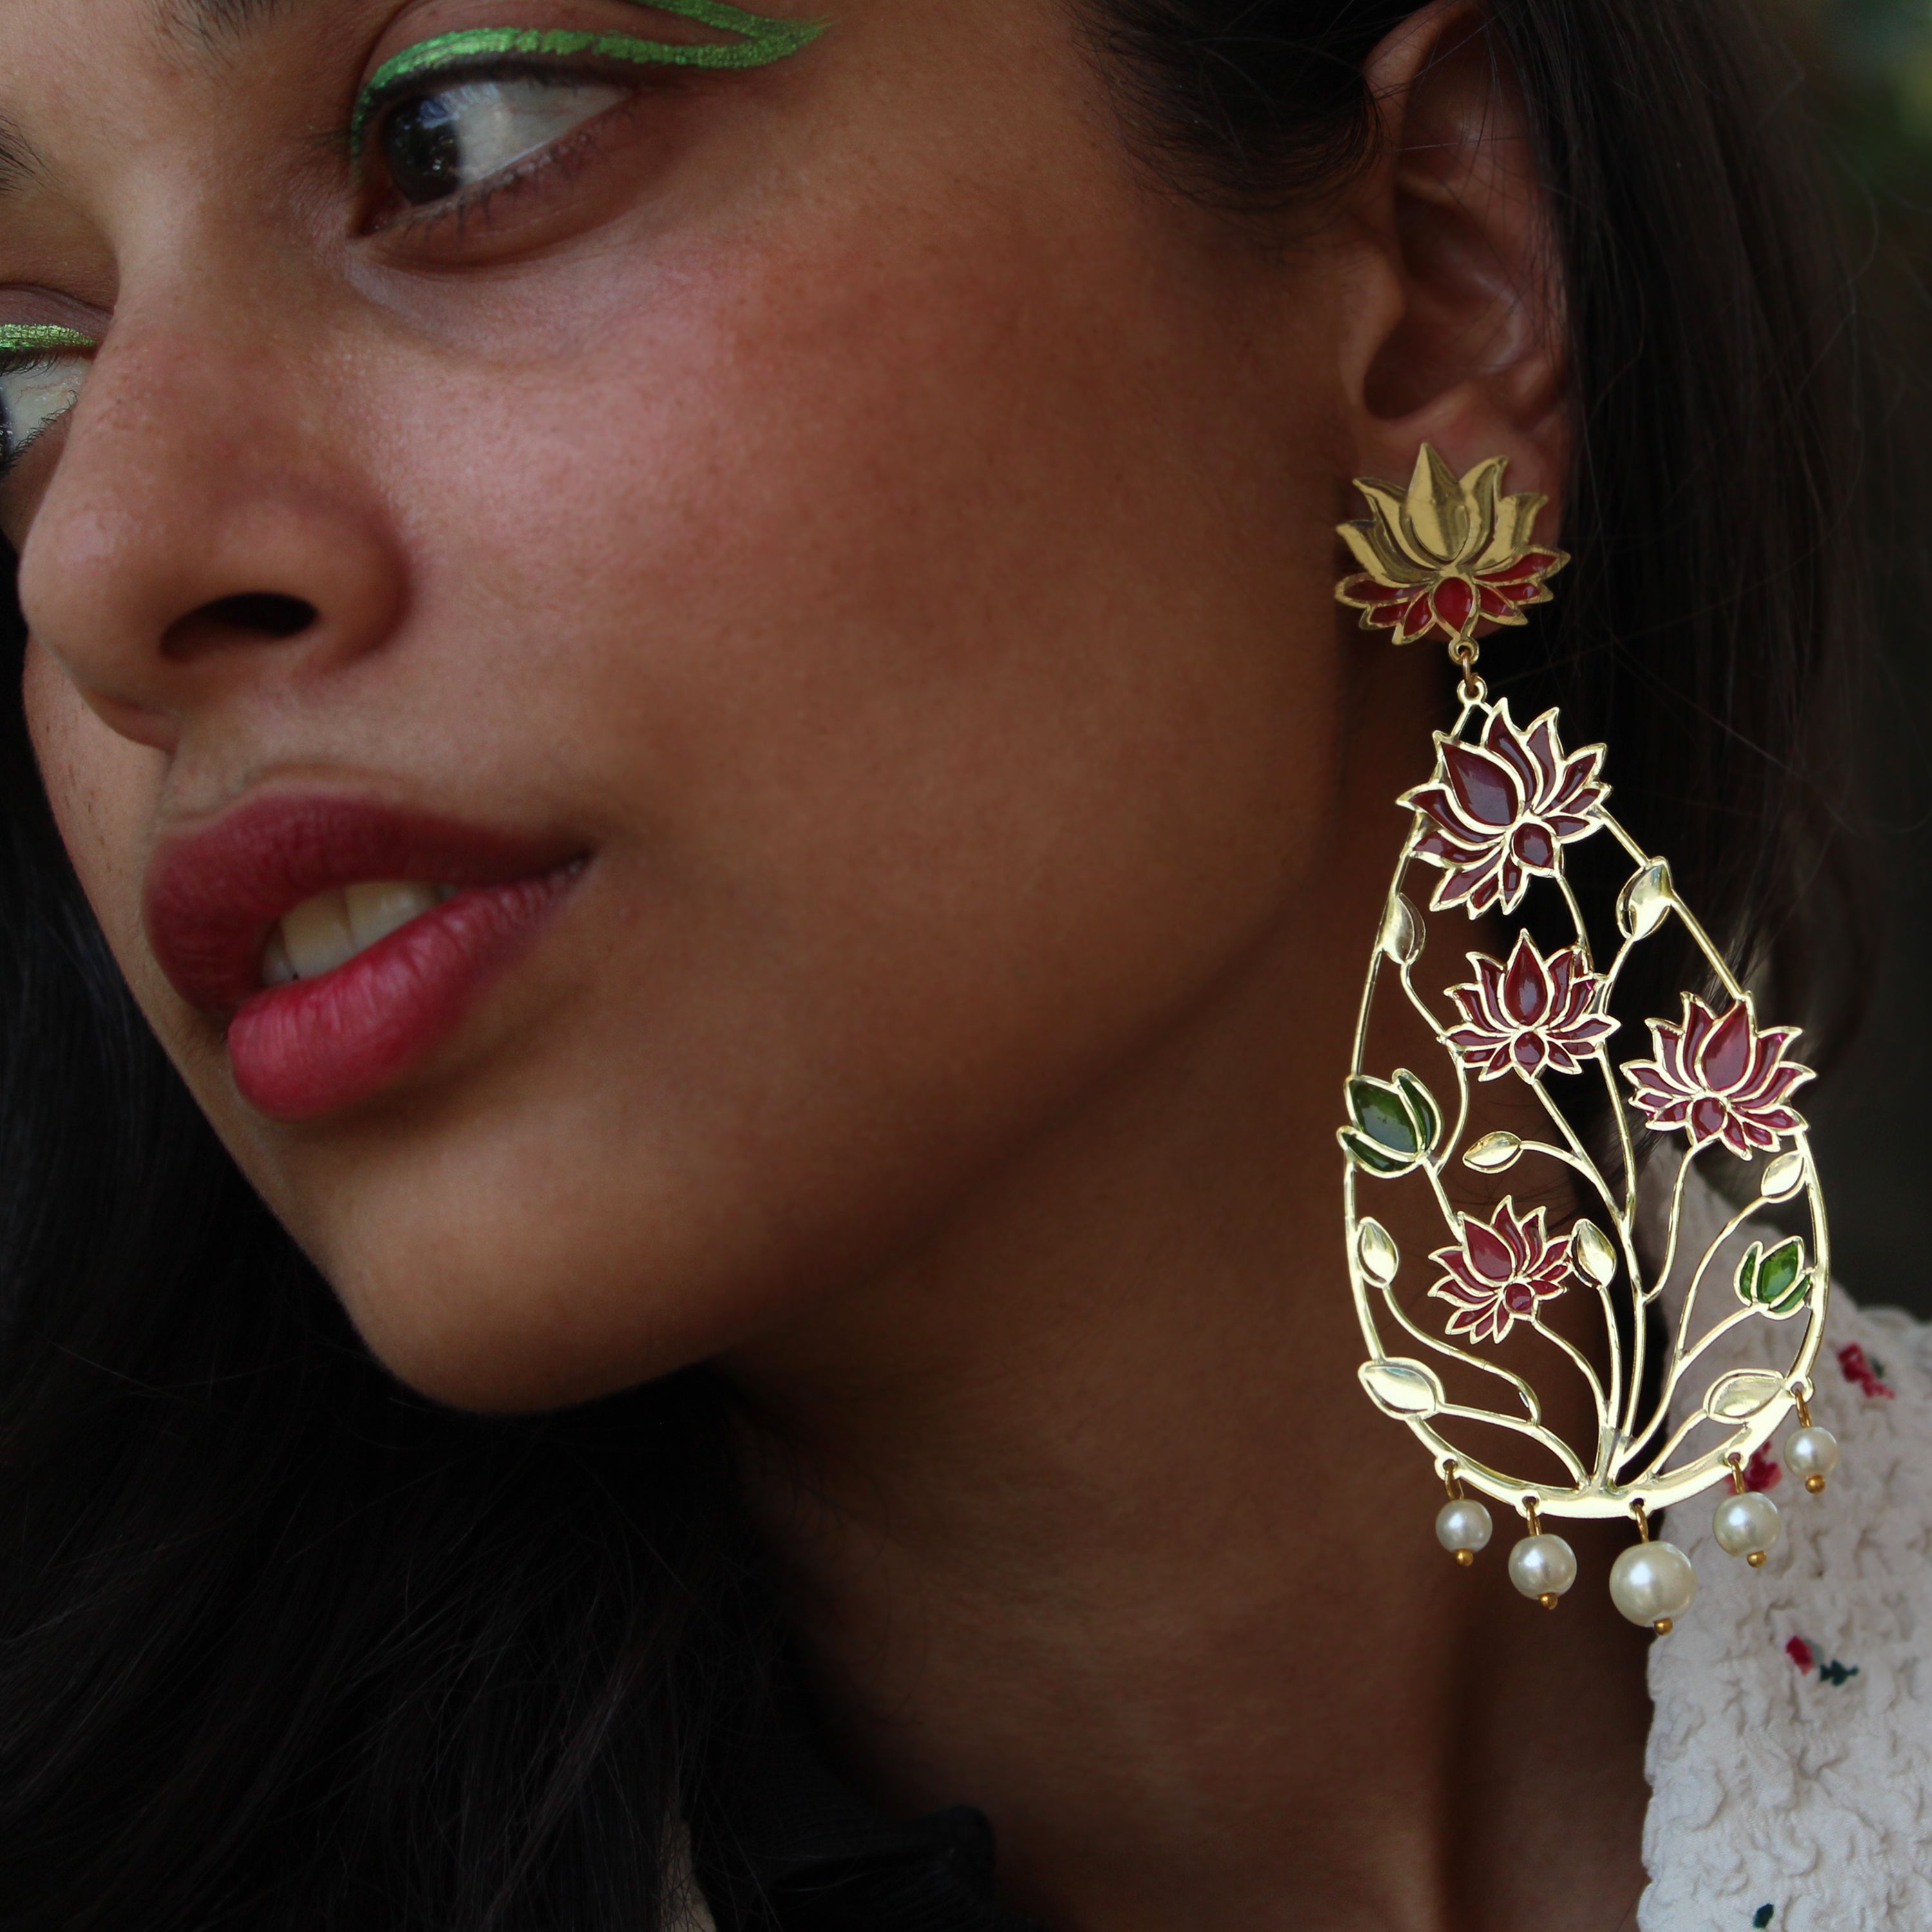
(1493, 1153)
(1374, 550)
(1434, 514)
(1742, 1394)
(1480, 490)
(1391, 526)
(1376, 1247)
(1595, 1257)
(1402, 1387)
(1783, 1178)
(1402, 934)
(1514, 532)
(1363, 547)
(1644, 902)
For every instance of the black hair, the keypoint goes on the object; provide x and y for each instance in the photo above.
(284, 1647)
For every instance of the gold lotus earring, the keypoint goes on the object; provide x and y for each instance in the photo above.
(1492, 826)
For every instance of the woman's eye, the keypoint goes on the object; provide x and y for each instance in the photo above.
(34, 396)
(433, 146)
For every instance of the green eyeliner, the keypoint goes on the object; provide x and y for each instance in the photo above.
(41, 338)
(761, 41)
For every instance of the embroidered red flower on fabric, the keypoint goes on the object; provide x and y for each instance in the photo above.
(1719, 1079)
(1859, 1370)
(1532, 1016)
(1498, 811)
(1446, 553)
(1502, 1273)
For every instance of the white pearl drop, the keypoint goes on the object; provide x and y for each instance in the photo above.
(1651, 1582)
(1747, 1524)
(1811, 1452)
(1542, 1566)
(1464, 1525)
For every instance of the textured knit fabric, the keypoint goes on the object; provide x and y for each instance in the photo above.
(1791, 1753)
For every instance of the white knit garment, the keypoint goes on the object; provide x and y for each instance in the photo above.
(1790, 1758)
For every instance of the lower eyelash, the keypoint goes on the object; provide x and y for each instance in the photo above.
(565, 155)
(22, 362)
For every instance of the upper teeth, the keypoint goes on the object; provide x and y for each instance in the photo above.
(329, 930)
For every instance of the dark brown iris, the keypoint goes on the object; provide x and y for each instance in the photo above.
(420, 151)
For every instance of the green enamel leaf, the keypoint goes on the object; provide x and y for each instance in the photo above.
(1779, 1271)
(1426, 1117)
(1371, 1157)
(1745, 1280)
(1780, 1282)
(1378, 1111)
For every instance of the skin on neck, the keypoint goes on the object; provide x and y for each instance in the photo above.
(1085, 1519)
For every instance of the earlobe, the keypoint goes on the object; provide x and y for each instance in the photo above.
(1465, 351)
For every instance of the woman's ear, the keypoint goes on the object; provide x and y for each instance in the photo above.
(1460, 343)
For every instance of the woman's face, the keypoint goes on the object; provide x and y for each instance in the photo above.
(829, 560)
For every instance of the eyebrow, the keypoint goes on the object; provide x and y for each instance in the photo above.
(212, 24)
(19, 163)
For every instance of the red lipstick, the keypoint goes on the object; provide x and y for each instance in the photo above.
(314, 1046)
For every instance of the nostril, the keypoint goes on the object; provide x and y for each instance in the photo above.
(265, 612)
(252, 614)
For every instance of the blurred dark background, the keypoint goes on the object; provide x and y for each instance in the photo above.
(1867, 66)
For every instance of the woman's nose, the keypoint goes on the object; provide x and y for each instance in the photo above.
(207, 534)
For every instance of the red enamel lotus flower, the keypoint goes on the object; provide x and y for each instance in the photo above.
(1498, 811)
(1446, 553)
(1502, 1273)
(1533, 1016)
(1719, 1079)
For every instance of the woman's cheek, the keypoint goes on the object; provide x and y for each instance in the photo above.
(103, 790)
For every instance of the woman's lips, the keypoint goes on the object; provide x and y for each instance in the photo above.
(315, 1046)
(312, 1046)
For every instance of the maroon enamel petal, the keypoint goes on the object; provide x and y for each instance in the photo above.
(1526, 987)
(1454, 601)
(1476, 887)
(1515, 1235)
(1533, 846)
(1698, 1021)
(1488, 791)
(1566, 994)
(1525, 569)
(1466, 1285)
(1501, 741)
(1543, 749)
(1575, 787)
(1725, 1057)
(1789, 1078)
(1489, 1254)
(1438, 844)
(1416, 619)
